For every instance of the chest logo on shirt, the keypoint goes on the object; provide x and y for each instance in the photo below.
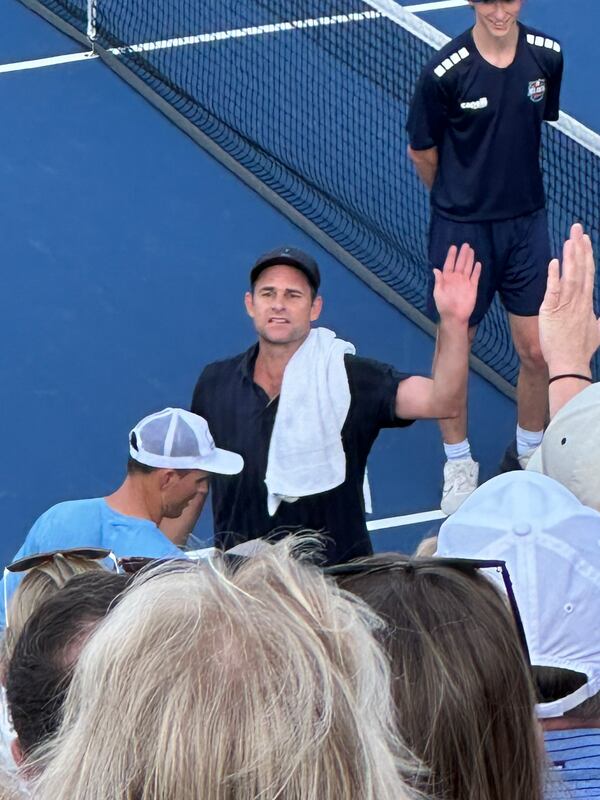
(475, 105)
(536, 90)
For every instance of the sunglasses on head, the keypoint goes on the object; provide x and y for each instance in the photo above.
(37, 559)
(27, 563)
(467, 566)
(133, 564)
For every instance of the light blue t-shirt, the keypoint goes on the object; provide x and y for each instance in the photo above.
(575, 755)
(90, 523)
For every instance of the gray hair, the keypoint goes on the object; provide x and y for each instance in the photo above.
(10, 786)
(264, 682)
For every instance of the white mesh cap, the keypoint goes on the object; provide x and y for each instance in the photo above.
(551, 545)
(177, 439)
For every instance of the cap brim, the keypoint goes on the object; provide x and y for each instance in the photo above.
(221, 462)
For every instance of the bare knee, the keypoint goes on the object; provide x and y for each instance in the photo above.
(530, 354)
(526, 338)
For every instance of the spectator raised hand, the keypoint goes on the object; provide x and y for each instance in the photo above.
(455, 290)
(569, 330)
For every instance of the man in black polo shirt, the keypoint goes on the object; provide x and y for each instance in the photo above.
(240, 399)
(475, 128)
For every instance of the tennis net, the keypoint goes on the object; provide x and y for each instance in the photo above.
(309, 98)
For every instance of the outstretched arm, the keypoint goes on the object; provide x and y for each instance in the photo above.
(444, 394)
(569, 330)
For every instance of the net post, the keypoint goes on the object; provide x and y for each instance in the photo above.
(91, 20)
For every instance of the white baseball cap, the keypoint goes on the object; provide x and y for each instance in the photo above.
(550, 542)
(177, 439)
(570, 449)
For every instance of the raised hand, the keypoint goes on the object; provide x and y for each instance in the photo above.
(569, 330)
(455, 290)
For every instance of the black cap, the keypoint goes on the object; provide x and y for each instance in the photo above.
(291, 257)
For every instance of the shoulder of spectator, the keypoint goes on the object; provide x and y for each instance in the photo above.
(50, 514)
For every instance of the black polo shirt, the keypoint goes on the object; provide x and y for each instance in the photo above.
(486, 122)
(241, 417)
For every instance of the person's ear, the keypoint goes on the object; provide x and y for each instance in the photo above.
(317, 307)
(167, 478)
(249, 303)
(17, 751)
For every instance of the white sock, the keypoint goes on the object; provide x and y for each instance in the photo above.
(454, 452)
(528, 440)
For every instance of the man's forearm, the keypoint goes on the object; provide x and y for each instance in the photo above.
(426, 164)
(444, 395)
(450, 369)
(426, 172)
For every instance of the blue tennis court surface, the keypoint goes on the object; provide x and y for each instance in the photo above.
(126, 250)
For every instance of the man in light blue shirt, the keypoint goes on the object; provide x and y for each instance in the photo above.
(171, 457)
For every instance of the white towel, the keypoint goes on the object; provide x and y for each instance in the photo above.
(306, 455)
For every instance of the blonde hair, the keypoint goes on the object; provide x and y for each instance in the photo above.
(262, 683)
(427, 547)
(37, 585)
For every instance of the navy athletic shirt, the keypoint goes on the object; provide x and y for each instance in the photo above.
(486, 123)
(239, 410)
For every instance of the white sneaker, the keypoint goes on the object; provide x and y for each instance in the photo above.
(460, 480)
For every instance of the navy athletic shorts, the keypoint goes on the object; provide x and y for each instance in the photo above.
(514, 255)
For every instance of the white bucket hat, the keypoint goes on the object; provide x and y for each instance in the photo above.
(570, 450)
(177, 439)
(551, 545)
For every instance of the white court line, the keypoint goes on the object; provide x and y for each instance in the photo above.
(240, 33)
(407, 519)
(440, 4)
(216, 36)
(381, 8)
(38, 63)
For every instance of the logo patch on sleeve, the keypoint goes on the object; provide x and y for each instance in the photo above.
(536, 90)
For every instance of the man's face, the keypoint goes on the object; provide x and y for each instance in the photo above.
(181, 489)
(281, 305)
(497, 18)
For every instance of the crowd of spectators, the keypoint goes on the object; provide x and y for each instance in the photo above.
(289, 662)
(469, 671)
